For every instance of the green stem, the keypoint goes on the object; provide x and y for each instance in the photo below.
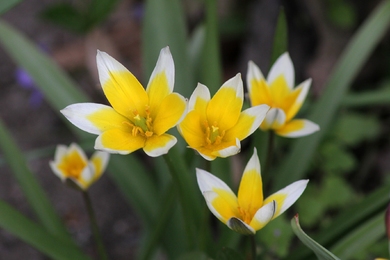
(95, 230)
(270, 152)
(253, 246)
(180, 177)
(168, 202)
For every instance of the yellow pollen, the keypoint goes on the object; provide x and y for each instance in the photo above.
(213, 134)
(141, 125)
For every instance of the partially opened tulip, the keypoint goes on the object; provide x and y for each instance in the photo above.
(249, 211)
(214, 127)
(279, 93)
(138, 118)
(71, 163)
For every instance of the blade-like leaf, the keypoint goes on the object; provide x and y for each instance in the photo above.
(164, 25)
(30, 186)
(211, 70)
(36, 235)
(362, 237)
(280, 37)
(350, 63)
(320, 251)
(348, 220)
(6, 5)
(56, 86)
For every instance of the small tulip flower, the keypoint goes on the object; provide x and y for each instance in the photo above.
(249, 211)
(279, 93)
(214, 127)
(71, 163)
(138, 118)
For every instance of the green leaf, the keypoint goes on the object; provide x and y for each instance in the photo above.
(66, 16)
(341, 13)
(336, 158)
(353, 128)
(164, 25)
(36, 235)
(30, 186)
(98, 11)
(360, 238)
(57, 87)
(320, 251)
(8, 4)
(281, 36)
(347, 220)
(211, 69)
(376, 97)
(322, 113)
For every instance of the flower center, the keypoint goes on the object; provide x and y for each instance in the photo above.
(141, 125)
(213, 134)
(245, 215)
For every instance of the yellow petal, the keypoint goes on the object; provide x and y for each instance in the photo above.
(258, 89)
(219, 197)
(282, 66)
(99, 161)
(170, 112)
(287, 196)
(122, 89)
(224, 108)
(159, 145)
(279, 91)
(297, 128)
(192, 130)
(250, 192)
(119, 141)
(199, 101)
(264, 215)
(224, 149)
(248, 122)
(295, 100)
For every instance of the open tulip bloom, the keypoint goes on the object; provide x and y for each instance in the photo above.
(138, 118)
(249, 211)
(214, 127)
(279, 93)
(71, 163)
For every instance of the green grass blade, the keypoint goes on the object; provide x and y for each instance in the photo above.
(350, 63)
(36, 235)
(30, 186)
(132, 179)
(320, 251)
(7, 4)
(369, 98)
(358, 240)
(56, 86)
(211, 69)
(280, 37)
(164, 25)
(348, 220)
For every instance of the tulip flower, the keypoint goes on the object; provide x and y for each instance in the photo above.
(71, 163)
(138, 118)
(279, 93)
(214, 127)
(249, 211)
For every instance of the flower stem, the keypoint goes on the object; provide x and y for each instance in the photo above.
(187, 191)
(270, 152)
(95, 230)
(253, 246)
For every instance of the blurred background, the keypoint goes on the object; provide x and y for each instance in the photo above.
(352, 160)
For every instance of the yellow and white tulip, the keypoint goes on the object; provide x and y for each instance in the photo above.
(71, 163)
(249, 211)
(215, 126)
(138, 118)
(279, 93)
